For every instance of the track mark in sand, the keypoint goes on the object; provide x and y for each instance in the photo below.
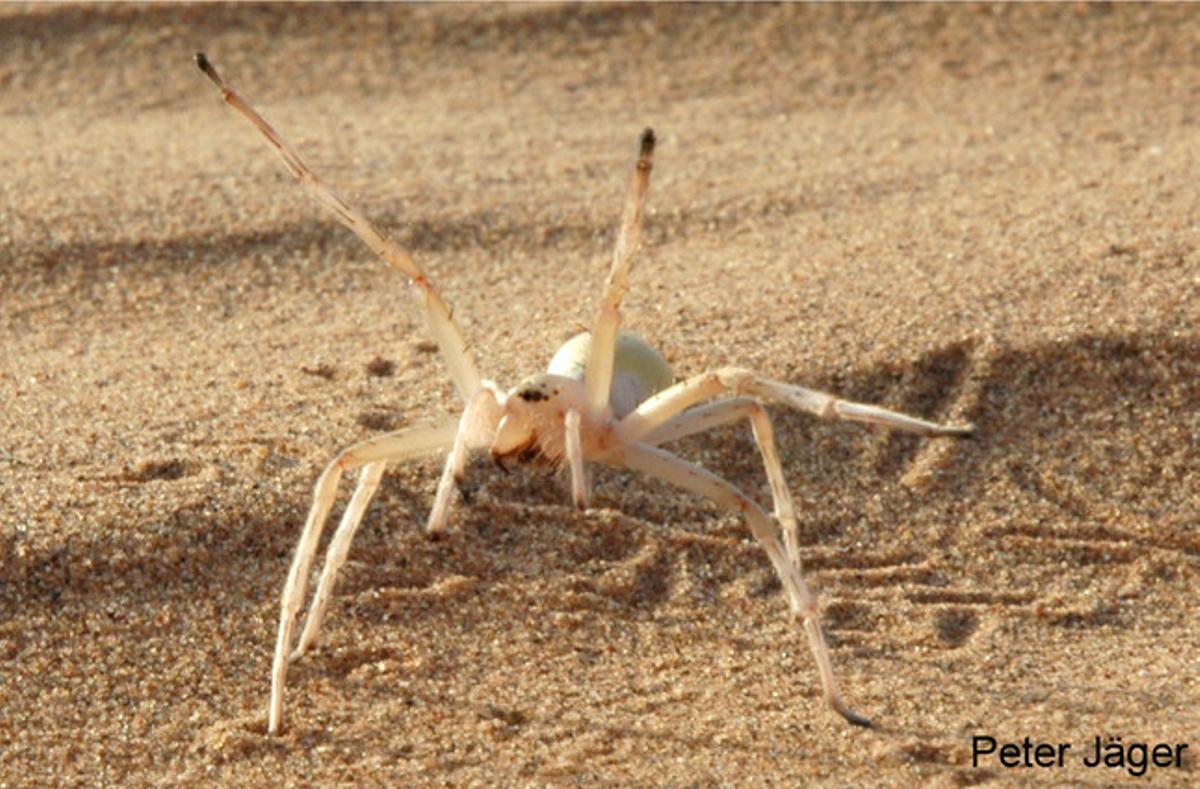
(169, 469)
(835, 559)
(954, 626)
(928, 752)
(951, 616)
(1065, 497)
(235, 740)
(411, 600)
(1098, 614)
(642, 580)
(1041, 548)
(364, 663)
(1054, 491)
(613, 538)
(502, 723)
(954, 616)
(319, 370)
(938, 596)
(158, 469)
(888, 577)
(844, 616)
(871, 570)
(398, 667)
(944, 759)
(379, 421)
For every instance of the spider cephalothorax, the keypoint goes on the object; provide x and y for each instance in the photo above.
(534, 425)
(607, 397)
(531, 427)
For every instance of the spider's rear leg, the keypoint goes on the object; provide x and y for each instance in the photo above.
(663, 465)
(335, 557)
(657, 411)
(374, 452)
(722, 412)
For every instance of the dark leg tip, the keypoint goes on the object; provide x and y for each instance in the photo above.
(207, 68)
(852, 717)
(648, 141)
(860, 721)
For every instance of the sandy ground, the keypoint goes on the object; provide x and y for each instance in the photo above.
(970, 213)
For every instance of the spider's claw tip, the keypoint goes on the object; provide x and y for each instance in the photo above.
(209, 70)
(854, 719)
(648, 141)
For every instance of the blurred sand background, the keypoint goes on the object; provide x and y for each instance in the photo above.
(968, 213)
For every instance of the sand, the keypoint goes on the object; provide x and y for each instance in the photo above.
(968, 213)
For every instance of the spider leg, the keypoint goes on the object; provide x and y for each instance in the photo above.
(400, 445)
(785, 508)
(476, 426)
(659, 409)
(723, 412)
(699, 419)
(599, 371)
(663, 465)
(335, 557)
(441, 324)
(574, 453)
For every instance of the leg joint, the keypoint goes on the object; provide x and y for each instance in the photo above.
(735, 379)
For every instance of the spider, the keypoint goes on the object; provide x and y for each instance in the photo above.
(606, 397)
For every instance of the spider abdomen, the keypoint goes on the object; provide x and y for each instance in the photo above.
(639, 371)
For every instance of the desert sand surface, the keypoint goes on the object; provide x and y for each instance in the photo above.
(972, 214)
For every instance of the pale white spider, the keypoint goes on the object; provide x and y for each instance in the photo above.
(607, 397)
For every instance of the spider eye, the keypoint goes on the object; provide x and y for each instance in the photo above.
(533, 395)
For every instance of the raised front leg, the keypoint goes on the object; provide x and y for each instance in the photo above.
(441, 324)
(598, 377)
